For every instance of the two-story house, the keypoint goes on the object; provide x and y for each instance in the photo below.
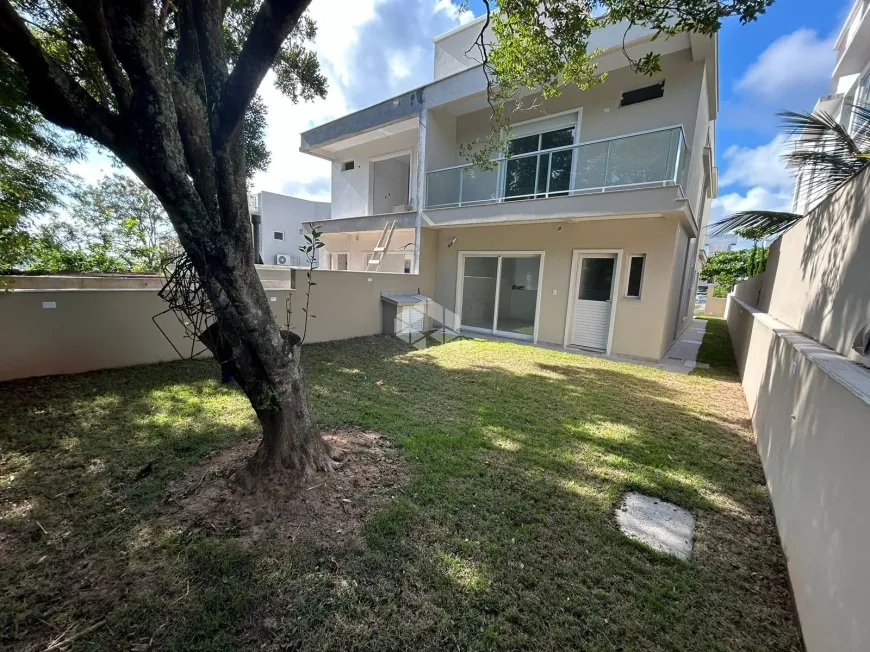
(850, 85)
(585, 233)
(277, 226)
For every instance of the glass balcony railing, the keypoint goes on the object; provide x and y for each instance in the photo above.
(649, 159)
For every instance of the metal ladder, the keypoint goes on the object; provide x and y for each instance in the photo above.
(380, 250)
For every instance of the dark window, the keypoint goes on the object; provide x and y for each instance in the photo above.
(278, 235)
(558, 138)
(596, 279)
(635, 276)
(347, 166)
(643, 94)
(526, 176)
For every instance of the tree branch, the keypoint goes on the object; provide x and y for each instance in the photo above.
(274, 21)
(208, 18)
(59, 97)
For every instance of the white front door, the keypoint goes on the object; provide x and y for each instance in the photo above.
(593, 300)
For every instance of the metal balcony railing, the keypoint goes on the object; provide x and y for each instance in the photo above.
(648, 159)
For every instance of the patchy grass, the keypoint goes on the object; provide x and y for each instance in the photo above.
(716, 348)
(503, 539)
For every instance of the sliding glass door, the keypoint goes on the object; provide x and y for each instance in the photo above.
(499, 293)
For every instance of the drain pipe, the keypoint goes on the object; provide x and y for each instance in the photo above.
(258, 239)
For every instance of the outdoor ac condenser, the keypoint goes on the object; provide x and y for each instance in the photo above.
(282, 259)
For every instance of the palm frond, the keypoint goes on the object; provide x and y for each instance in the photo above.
(818, 130)
(765, 223)
(824, 152)
(827, 170)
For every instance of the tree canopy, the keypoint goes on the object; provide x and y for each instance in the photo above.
(33, 157)
(114, 225)
(727, 268)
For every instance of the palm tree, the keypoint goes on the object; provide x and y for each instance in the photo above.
(824, 154)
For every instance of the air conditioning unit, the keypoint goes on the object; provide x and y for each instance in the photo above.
(283, 259)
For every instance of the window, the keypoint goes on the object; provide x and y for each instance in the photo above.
(277, 235)
(347, 166)
(635, 276)
(644, 94)
(544, 175)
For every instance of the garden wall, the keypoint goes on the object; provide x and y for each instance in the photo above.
(714, 306)
(82, 325)
(792, 329)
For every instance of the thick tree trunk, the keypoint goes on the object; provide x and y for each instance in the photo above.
(291, 446)
(266, 363)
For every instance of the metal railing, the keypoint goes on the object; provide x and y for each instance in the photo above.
(254, 203)
(648, 159)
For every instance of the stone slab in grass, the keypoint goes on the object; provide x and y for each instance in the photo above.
(660, 525)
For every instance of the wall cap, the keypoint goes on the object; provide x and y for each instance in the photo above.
(846, 372)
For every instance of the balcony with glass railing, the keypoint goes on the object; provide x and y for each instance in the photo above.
(643, 160)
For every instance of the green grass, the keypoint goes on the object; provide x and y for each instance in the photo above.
(504, 538)
(716, 348)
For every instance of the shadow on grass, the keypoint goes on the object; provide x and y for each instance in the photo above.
(503, 540)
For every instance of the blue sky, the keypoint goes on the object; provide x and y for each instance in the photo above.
(373, 49)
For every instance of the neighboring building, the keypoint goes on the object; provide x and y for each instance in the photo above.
(727, 242)
(588, 235)
(277, 221)
(850, 85)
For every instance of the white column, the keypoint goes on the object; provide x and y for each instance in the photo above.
(421, 186)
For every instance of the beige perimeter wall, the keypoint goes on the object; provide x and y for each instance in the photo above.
(643, 328)
(98, 328)
(810, 407)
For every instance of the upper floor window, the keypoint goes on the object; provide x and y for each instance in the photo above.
(277, 235)
(644, 94)
(347, 166)
(546, 174)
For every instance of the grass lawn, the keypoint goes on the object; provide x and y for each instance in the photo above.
(716, 348)
(504, 537)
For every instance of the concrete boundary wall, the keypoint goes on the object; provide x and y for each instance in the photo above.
(810, 409)
(47, 331)
(808, 391)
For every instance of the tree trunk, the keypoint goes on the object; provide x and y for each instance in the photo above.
(291, 445)
(266, 364)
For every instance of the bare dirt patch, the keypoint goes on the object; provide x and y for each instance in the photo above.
(326, 510)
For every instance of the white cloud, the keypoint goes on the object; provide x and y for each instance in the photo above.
(370, 50)
(761, 170)
(453, 11)
(789, 64)
(757, 166)
(756, 199)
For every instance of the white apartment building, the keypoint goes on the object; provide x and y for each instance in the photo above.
(586, 233)
(850, 85)
(276, 221)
